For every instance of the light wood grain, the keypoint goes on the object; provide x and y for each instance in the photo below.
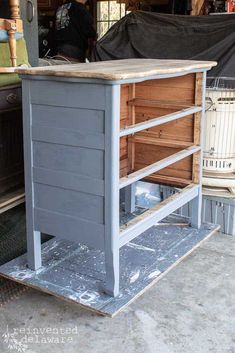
(11, 69)
(131, 146)
(12, 26)
(15, 9)
(197, 7)
(11, 199)
(120, 69)
(174, 93)
(197, 128)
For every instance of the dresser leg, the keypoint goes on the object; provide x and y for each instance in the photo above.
(34, 251)
(111, 194)
(112, 273)
(130, 198)
(196, 207)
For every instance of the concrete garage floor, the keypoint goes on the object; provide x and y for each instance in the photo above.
(191, 310)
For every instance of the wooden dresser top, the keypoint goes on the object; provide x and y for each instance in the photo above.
(120, 69)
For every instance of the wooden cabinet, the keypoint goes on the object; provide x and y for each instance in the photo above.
(78, 155)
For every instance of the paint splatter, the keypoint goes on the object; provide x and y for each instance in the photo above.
(139, 247)
(154, 274)
(135, 276)
(49, 247)
(24, 273)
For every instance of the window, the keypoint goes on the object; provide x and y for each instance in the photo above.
(108, 13)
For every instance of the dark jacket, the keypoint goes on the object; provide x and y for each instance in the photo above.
(74, 26)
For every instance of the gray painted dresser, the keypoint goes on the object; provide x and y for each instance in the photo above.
(93, 129)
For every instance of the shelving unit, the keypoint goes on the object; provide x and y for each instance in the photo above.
(93, 129)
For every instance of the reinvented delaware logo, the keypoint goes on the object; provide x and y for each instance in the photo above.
(13, 343)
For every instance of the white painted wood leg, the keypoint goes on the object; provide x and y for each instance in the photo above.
(33, 237)
(196, 203)
(196, 207)
(130, 198)
(34, 251)
(112, 202)
(112, 272)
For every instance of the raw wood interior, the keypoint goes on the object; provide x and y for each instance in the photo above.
(155, 98)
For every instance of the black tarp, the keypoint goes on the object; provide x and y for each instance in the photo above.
(161, 36)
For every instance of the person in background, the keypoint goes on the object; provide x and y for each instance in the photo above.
(74, 30)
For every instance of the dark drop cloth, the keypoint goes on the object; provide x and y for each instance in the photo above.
(160, 36)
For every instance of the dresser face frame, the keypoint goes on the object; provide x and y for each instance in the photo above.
(86, 139)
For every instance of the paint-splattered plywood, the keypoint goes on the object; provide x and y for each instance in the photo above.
(76, 273)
